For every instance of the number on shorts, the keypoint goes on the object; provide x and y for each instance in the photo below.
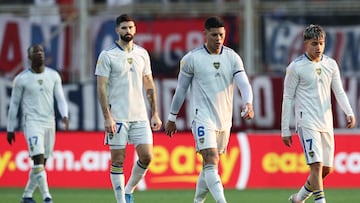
(33, 140)
(310, 143)
(119, 127)
(201, 131)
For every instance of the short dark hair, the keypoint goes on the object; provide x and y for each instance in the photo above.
(214, 22)
(123, 18)
(31, 47)
(314, 32)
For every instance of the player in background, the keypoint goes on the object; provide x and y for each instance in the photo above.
(308, 83)
(123, 70)
(34, 89)
(210, 71)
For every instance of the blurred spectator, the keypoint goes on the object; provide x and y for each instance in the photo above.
(16, 2)
(118, 2)
(45, 12)
(67, 9)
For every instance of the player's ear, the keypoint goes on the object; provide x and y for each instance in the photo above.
(29, 52)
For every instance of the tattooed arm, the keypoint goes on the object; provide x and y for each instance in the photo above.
(150, 89)
(110, 125)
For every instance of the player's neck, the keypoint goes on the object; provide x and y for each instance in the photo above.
(313, 58)
(125, 46)
(212, 50)
(37, 69)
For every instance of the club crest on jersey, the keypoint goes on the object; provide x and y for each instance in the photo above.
(129, 60)
(311, 153)
(40, 82)
(110, 135)
(201, 140)
(318, 71)
(216, 65)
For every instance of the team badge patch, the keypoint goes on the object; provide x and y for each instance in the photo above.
(40, 82)
(129, 60)
(216, 65)
(110, 135)
(318, 71)
(311, 154)
(201, 140)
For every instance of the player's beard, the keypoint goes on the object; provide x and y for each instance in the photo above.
(127, 37)
(38, 60)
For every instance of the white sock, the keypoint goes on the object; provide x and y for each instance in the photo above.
(118, 181)
(320, 200)
(319, 196)
(137, 173)
(214, 184)
(30, 185)
(201, 189)
(41, 179)
(304, 192)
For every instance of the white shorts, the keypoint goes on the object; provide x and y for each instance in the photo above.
(207, 137)
(136, 133)
(40, 138)
(317, 146)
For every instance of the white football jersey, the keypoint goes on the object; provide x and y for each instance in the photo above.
(212, 84)
(125, 71)
(35, 92)
(308, 84)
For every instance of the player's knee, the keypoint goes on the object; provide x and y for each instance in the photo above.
(212, 160)
(315, 166)
(39, 159)
(315, 169)
(145, 159)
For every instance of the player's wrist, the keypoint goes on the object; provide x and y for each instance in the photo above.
(155, 114)
(285, 133)
(172, 117)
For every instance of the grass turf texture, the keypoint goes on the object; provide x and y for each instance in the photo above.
(13, 195)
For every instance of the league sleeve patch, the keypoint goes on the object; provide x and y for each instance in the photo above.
(182, 62)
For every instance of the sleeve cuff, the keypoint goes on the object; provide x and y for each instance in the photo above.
(285, 133)
(172, 117)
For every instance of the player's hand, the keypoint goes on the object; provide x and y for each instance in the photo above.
(65, 121)
(10, 137)
(170, 128)
(287, 141)
(110, 125)
(247, 111)
(350, 121)
(155, 122)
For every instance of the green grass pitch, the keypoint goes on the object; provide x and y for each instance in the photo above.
(12, 195)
